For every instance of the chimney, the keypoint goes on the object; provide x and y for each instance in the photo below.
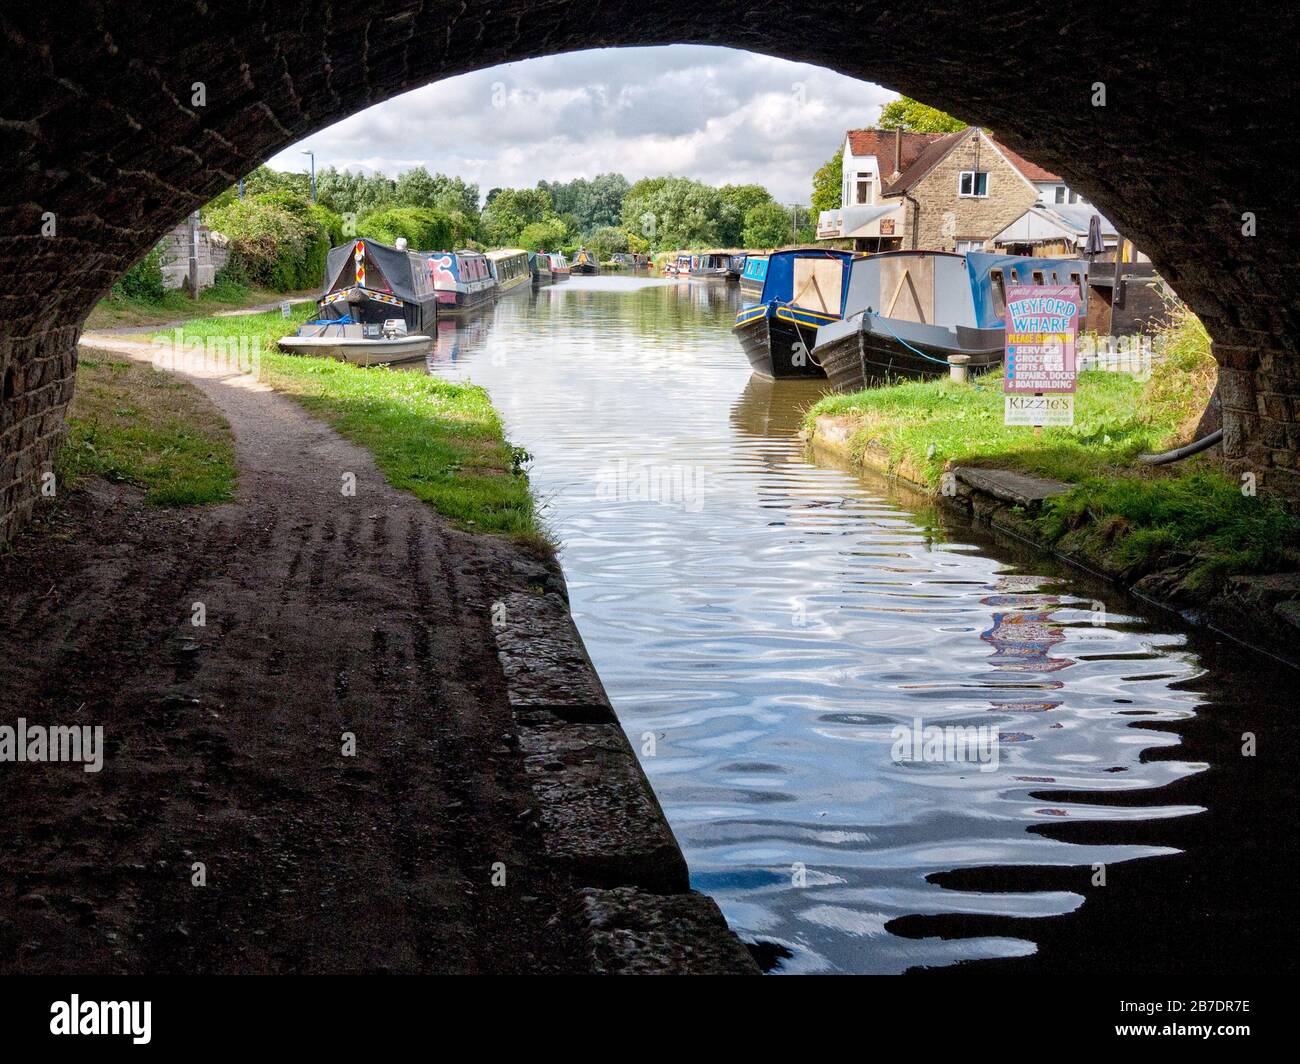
(898, 151)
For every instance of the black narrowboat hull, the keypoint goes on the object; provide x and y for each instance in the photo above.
(584, 268)
(773, 347)
(870, 356)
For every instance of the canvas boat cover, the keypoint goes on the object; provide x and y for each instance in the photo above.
(391, 279)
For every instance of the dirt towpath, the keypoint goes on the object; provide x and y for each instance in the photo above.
(326, 615)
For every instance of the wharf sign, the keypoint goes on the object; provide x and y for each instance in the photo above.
(1042, 331)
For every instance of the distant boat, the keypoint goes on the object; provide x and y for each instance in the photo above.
(752, 276)
(803, 291)
(559, 266)
(378, 306)
(584, 261)
(905, 312)
(509, 267)
(463, 280)
(710, 265)
(736, 266)
(539, 267)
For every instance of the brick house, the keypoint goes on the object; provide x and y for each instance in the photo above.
(936, 191)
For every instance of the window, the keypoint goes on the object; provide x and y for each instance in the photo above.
(973, 183)
(964, 246)
(863, 189)
(1038, 277)
(1060, 193)
(999, 292)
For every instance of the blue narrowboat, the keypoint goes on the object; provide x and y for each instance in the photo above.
(905, 312)
(803, 291)
(752, 276)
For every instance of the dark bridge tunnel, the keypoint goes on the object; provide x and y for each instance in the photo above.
(101, 138)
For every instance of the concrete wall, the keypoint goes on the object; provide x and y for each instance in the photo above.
(103, 134)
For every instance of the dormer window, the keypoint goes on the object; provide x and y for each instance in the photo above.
(973, 183)
(862, 189)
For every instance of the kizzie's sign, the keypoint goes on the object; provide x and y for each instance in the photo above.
(1042, 330)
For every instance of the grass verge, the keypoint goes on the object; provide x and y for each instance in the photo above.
(440, 440)
(131, 423)
(1125, 517)
(114, 313)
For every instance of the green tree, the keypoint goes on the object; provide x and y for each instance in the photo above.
(604, 242)
(767, 225)
(547, 235)
(511, 210)
(279, 239)
(673, 212)
(424, 229)
(593, 204)
(912, 116)
(828, 183)
(737, 202)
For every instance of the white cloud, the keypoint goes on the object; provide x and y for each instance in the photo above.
(713, 114)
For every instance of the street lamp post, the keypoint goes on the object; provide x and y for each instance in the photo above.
(308, 151)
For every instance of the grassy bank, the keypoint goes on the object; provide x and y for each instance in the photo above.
(440, 440)
(131, 423)
(1124, 517)
(118, 313)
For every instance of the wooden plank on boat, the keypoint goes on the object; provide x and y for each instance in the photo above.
(817, 284)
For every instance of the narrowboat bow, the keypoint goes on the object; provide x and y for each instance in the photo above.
(803, 292)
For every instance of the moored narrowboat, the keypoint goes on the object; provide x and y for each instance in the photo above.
(559, 266)
(379, 306)
(509, 268)
(710, 265)
(752, 275)
(803, 291)
(539, 267)
(584, 262)
(906, 312)
(462, 279)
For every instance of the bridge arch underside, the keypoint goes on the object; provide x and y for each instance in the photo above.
(97, 128)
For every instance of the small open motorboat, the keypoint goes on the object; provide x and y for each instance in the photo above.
(905, 312)
(361, 343)
(381, 306)
(803, 292)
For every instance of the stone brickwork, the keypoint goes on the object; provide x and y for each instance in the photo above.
(101, 133)
(945, 217)
(213, 253)
(35, 387)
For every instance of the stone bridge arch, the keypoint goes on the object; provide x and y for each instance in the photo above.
(99, 133)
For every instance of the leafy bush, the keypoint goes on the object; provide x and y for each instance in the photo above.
(143, 282)
(547, 235)
(423, 228)
(277, 238)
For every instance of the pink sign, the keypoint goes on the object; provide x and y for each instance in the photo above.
(1042, 328)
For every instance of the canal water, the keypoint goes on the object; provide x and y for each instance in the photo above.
(883, 744)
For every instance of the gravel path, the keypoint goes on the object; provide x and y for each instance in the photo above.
(325, 615)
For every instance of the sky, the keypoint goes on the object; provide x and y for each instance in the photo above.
(714, 114)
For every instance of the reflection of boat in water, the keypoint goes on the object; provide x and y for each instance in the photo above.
(379, 306)
(803, 291)
(905, 312)
(769, 410)
(1023, 631)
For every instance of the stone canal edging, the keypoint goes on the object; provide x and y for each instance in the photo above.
(600, 819)
(1260, 611)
